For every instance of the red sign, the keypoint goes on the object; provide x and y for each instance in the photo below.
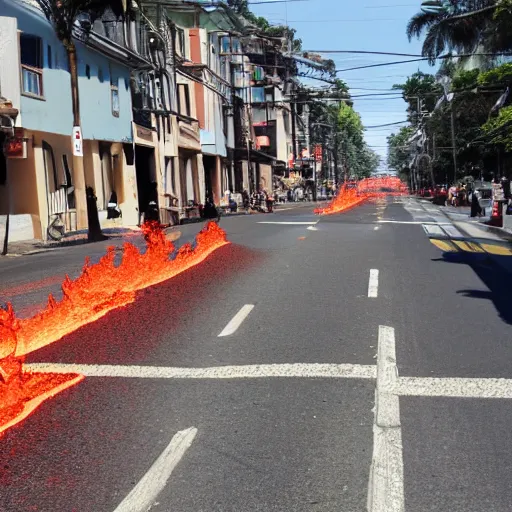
(16, 147)
(318, 153)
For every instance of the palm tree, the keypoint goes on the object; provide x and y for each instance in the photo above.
(63, 15)
(459, 26)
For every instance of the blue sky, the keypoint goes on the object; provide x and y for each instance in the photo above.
(372, 25)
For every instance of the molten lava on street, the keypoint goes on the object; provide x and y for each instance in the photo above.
(99, 289)
(354, 194)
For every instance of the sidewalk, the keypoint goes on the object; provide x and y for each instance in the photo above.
(27, 247)
(480, 228)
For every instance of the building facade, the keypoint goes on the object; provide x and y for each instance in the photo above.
(179, 102)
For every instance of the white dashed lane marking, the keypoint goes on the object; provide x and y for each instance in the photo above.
(236, 321)
(373, 284)
(144, 494)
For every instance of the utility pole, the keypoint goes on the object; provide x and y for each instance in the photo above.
(294, 131)
(454, 149)
(445, 82)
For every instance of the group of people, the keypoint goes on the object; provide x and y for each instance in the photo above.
(259, 201)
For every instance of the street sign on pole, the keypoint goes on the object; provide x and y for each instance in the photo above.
(77, 141)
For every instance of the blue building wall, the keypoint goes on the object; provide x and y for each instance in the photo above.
(54, 113)
(98, 122)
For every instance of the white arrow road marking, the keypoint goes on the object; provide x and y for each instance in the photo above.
(373, 284)
(237, 320)
(144, 494)
(312, 228)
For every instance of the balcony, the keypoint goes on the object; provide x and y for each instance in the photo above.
(142, 118)
(188, 133)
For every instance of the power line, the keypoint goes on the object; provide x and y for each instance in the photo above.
(387, 124)
(381, 64)
(275, 2)
(364, 20)
(388, 6)
(374, 94)
(365, 52)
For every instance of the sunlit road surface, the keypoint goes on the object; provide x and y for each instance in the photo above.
(360, 364)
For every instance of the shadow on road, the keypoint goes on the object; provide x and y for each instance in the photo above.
(492, 271)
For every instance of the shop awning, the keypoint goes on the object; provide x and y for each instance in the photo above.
(257, 156)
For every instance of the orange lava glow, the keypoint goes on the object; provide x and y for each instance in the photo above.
(354, 194)
(28, 392)
(345, 199)
(103, 287)
(99, 289)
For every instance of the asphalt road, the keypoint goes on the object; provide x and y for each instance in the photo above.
(271, 437)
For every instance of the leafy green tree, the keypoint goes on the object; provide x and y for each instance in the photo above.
(499, 129)
(420, 90)
(462, 26)
(399, 153)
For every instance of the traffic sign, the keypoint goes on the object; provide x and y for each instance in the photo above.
(77, 141)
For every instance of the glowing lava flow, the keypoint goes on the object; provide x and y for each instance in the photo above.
(356, 193)
(345, 199)
(99, 289)
(22, 392)
(103, 287)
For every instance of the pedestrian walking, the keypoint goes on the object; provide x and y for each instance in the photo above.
(246, 200)
(476, 209)
(270, 202)
(210, 211)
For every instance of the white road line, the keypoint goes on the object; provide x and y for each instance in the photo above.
(414, 222)
(373, 284)
(376, 228)
(289, 223)
(454, 387)
(386, 486)
(312, 228)
(144, 494)
(297, 370)
(433, 230)
(236, 321)
(452, 231)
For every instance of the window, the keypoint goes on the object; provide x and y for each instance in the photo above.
(68, 184)
(101, 78)
(50, 60)
(88, 71)
(184, 99)
(31, 65)
(50, 167)
(180, 42)
(169, 176)
(114, 93)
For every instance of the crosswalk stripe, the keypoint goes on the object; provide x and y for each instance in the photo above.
(444, 245)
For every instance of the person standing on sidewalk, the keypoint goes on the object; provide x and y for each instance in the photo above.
(476, 209)
(269, 201)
